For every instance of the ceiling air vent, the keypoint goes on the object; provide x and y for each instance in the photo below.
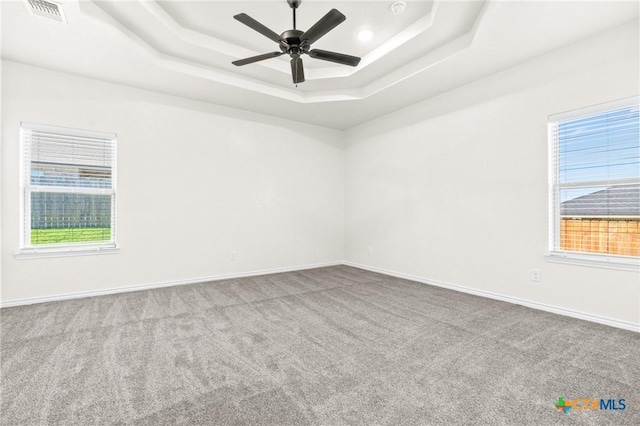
(47, 9)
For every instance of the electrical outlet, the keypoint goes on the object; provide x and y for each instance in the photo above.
(369, 251)
(535, 275)
(232, 255)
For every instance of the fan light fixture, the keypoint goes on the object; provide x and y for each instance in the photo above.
(364, 35)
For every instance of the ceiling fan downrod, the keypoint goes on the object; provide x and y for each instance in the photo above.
(294, 5)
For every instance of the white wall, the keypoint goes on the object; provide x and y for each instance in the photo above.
(452, 190)
(195, 182)
(1, 202)
(455, 189)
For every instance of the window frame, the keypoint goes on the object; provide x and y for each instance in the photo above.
(555, 255)
(28, 250)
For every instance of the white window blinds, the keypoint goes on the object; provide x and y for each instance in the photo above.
(595, 180)
(68, 186)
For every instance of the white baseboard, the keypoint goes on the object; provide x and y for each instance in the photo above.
(626, 325)
(126, 289)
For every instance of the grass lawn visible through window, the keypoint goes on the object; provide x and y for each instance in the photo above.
(69, 235)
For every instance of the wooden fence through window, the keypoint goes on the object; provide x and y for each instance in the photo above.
(621, 237)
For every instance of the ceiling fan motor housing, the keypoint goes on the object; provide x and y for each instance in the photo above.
(294, 45)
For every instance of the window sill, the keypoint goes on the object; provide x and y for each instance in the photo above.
(41, 253)
(596, 261)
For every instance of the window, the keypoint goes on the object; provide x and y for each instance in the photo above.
(68, 187)
(595, 182)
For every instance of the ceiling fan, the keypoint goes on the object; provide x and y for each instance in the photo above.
(296, 43)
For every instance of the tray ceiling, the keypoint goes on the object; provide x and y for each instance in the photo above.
(185, 48)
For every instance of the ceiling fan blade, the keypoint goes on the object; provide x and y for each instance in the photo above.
(297, 71)
(253, 59)
(255, 25)
(323, 26)
(339, 58)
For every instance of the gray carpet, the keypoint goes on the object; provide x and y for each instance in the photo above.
(326, 346)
